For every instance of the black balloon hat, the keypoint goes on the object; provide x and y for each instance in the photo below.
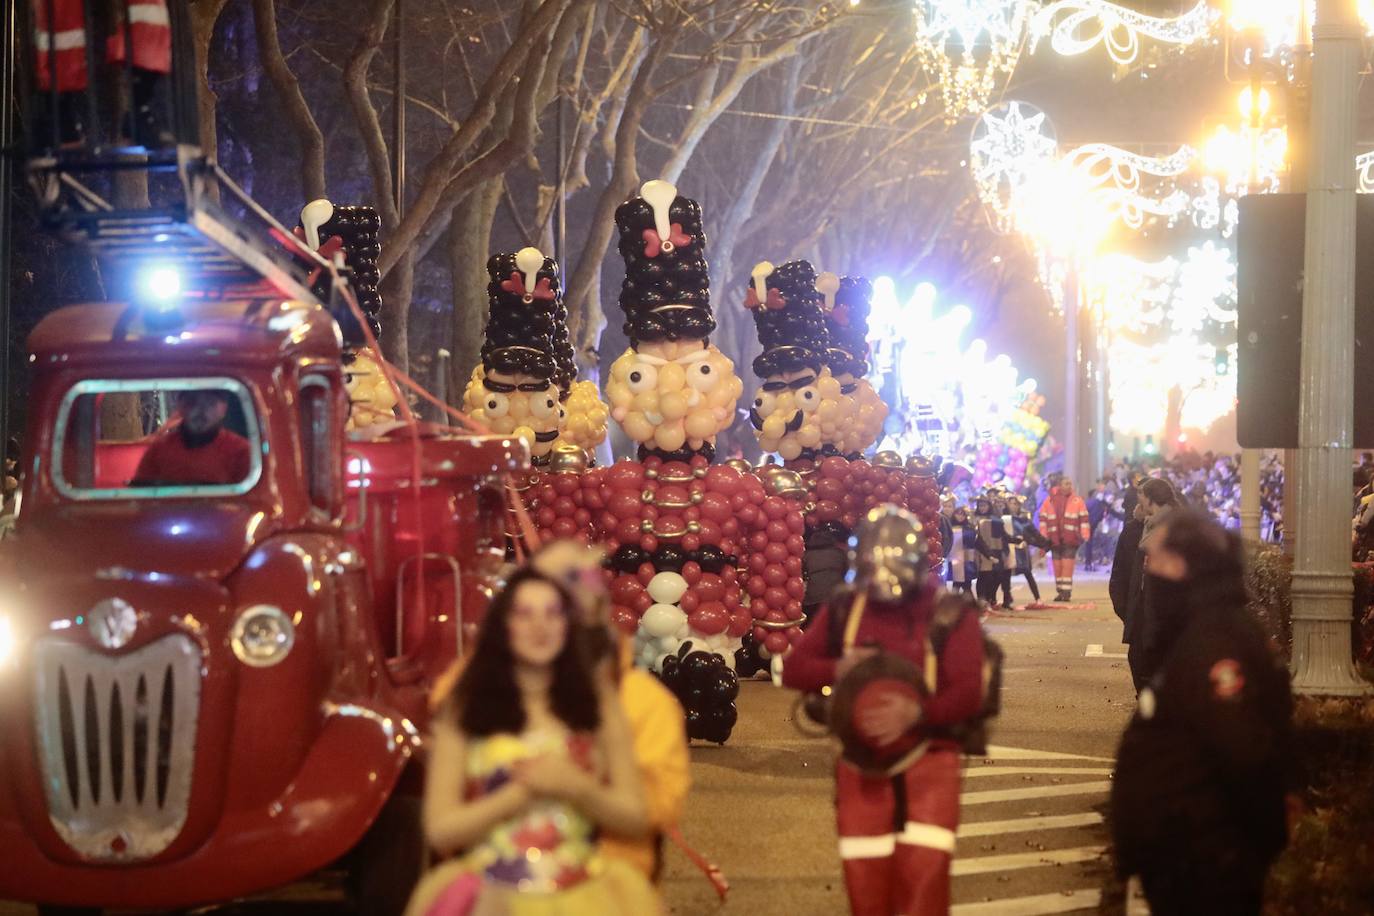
(524, 298)
(847, 304)
(667, 290)
(787, 314)
(358, 229)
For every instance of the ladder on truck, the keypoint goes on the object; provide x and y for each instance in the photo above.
(201, 223)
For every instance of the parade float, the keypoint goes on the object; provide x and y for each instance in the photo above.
(816, 411)
(700, 554)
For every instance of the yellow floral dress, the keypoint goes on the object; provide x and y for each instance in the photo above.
(544, 861)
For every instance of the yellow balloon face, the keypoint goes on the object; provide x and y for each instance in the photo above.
(865, 425)
(535, 416)
(371, 400)
(789, 411)
(585, 416)
(670, 395)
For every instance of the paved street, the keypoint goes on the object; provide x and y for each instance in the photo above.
(1032, 833)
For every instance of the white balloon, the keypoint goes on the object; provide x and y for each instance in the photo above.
(667, 587)
(685, 631)
(667, 643)
(663, 620)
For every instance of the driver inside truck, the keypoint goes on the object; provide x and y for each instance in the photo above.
(197, 449)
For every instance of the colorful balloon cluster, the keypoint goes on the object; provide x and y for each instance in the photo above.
(1006, 459)
(370, 397)
(673, 394)
(793, 419)
(584, 416)
(843, 490)
(864, 424)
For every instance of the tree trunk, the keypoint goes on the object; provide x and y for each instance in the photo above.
(204, 15)
(397, 289)
(288, 89)
(469, 239)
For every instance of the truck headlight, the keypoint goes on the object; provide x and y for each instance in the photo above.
(262, 636)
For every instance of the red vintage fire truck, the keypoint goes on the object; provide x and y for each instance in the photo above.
(213, 686)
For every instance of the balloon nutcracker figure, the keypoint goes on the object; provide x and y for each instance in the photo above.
(699, 554)
(847, 302)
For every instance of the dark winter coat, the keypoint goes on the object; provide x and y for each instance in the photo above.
(1204, 765)
(1126, 573)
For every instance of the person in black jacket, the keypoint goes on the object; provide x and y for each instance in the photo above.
(1198, 796)
(1125, 581)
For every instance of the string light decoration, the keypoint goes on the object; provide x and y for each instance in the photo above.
(1077, 26)
(1009, 143)
(1189, 296)
(967, 46)
(1229, 154)
(1115, 176)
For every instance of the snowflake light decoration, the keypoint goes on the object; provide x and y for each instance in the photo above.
(1077, 26)
(1365, 164)
(1009, 144)
(966, 46)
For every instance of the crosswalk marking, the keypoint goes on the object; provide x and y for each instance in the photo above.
(980, 865)
(1000, 795)
(977, 772)
(1032, 906)
(1029, 824)
(1094, 650)
(997, 752)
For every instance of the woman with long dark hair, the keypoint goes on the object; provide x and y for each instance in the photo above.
(530, 757)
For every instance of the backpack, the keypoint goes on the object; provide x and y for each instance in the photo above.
(950, 609)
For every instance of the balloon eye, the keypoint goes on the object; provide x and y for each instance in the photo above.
(705, 369)
(635, 377)
(491, 405)
(758, 402)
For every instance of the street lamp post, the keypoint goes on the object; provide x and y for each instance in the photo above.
(1322, 584)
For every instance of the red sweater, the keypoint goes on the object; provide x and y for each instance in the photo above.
(225, 459)
(959, 672)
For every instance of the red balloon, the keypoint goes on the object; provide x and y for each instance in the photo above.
(827, 510)
(545, 495)
(760, 634)
(835, 467)
(625, 620)
(691, 542)
(646, 573)
(689, 601)
(776, 616)
(730, 528)
(775, 576)
(794, 635)
(545, 517)
(776, 598)
(796, 545)
(566, 484)
(625, 505)
(593, 498)
(796, 588)
(829, 488)
(796, 522)
(642, 603)
(691, 571)
(716, 506)
(648, 543)
(758, 540)
(710, 532)
(777, 531)
(730, 575)
(776, 643)
(775, 507)
(775, 553)
(711, 588)
(583, 519)
(748, 516)
(740, 622)
(625, 589)
(710, 618)
(757, 563)
(793, 565)
(794, 610)
(732, 598)
(756, 587)
(564, 528)
(626, 475)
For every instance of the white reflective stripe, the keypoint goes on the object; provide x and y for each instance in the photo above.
(66, 41)
(927, 835)
(867, 847)
(149, 14)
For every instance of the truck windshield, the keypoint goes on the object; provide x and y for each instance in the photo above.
(174, 437)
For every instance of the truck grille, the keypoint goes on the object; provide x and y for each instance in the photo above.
(116, 742)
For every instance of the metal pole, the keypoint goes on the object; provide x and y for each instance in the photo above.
(1299, 157)
(1322, 581)
(398, 108)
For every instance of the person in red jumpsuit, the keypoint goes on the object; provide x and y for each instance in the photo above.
(897, 824)
(1064, 523)
(198, 450)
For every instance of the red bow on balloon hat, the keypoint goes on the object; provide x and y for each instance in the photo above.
(654, 243)
(773, 302)
(516, 285)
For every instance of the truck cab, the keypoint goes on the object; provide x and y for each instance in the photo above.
(215, 654)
